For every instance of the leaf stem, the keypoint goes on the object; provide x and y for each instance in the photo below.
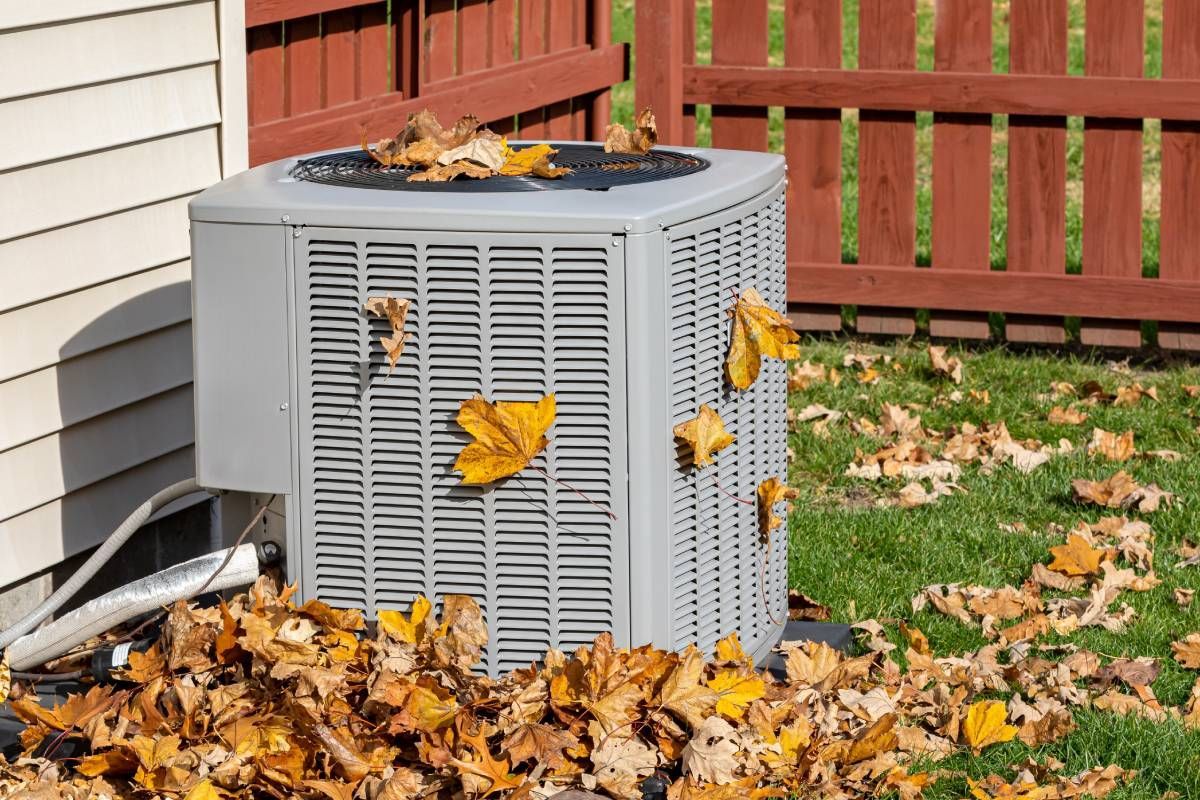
(729, 494)
(564, 484)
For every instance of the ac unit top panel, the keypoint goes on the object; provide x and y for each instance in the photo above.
(265, 194)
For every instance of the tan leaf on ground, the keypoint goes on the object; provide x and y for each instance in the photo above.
(709, 756)
(1132, 395)
(1187, 651)
(1183, 597)
(945, 366)
(1114, 447)
(621, 762)
(1066, 416)
(684, 692)
(802, 376)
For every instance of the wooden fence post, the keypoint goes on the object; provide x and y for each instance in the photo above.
(658, 30)
(1180, 233)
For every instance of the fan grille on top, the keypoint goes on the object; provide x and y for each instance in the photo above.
(592, 169)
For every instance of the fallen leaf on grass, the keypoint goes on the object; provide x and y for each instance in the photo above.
(1076, 557)
(1187, 651)
(758, 331)
(508, 435)
(1066, 416)
(1114, 447)
(1132, 395)
(619, 139)
(802, 607)
(802, 376)
(1121, 491)
(986, 725)
(706, 434)
(1183, 597)
(945, 366)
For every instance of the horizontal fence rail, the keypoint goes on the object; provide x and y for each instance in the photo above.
(320, 71)
(960, 285)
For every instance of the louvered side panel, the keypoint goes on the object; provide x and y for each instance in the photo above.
(338, 477)
(717, 553)
(511, 317)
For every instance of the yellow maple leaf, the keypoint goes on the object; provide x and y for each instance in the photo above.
(736, 690)
(508, 435)
(520, 162)
(409, 629)
(985, 725)
(431, 709)
(203, 790)
(706, 434)
(730, 649)
(770, 492)
(758, 331)
(395, 311)
(1076, 557)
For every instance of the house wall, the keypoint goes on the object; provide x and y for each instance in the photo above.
(113, 113)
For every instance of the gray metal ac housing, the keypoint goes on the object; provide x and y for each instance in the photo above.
(615, 300)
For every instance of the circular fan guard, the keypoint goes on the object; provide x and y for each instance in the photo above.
(592, 169)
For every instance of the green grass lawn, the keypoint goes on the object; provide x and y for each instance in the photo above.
(867, 561)
(623, 112)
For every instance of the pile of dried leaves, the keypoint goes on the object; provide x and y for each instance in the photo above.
(470, 149)
(260, 698)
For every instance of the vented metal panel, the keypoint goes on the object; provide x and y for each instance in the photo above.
(716, 553)
(383, 515)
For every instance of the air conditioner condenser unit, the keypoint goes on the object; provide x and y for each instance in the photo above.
(609, 287)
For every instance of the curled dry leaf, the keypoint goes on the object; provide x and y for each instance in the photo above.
(706, 434)
(770, 492)
(758, 331)
(619, 139)
(946, 366)
(508, 435)
(5, 677)
(395, 311)
(709, 756)
(1121, 491)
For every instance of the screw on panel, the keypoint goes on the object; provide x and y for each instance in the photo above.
(297, 232)
(628, 227)
(285, 218)
(283, 406)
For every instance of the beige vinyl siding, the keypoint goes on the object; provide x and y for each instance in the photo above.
(113, 114)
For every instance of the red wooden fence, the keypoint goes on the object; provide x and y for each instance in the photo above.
(320, 69)
(960, 286)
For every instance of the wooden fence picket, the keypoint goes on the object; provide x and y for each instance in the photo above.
(887, 39)
(1179, 251)
(1037, 164)
(1112, 166)
(962, 163)
(812, 142)
(739, 36)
